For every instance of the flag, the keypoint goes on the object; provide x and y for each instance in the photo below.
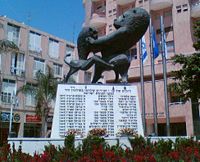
(144, 49)
(165, 44)
(155, 44)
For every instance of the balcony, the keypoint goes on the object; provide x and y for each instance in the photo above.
(98, 20)
(195, 8)
(17, 71)
(124, 2)
(160, 4)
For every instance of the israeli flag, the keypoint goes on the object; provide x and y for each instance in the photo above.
(165, 44)
(155, 45)
(144, 50)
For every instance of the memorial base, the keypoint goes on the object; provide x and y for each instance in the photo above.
(81, 108)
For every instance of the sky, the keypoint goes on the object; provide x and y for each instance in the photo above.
(61, 18)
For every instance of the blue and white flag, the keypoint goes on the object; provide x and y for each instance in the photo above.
(165, 44)
(144, 50)
(155, 44)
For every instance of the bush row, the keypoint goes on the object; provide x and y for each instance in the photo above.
(96, 149)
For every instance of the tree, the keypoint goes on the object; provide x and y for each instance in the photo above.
(45, 93)
(188, 78)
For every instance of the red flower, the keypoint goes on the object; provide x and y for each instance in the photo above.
(152, 159)
(127, 150)
(139, 158)
(123, 160)
(174, 155)
(189, 150)
(196, 153)
(98, 153)
(109, 155)
(45, 157)
(85, 159)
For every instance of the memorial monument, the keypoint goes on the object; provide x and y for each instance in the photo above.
(130, 27)
(83, 107)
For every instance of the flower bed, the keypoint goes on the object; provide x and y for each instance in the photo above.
(95, 149)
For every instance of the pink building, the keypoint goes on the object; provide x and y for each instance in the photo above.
(37, 50)
(178, 20)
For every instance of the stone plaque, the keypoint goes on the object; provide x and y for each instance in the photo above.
(84, 107)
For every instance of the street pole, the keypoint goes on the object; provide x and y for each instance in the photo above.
(153, 82)
(13, 102)
(165, 76)
(11, 116)
(142, 87)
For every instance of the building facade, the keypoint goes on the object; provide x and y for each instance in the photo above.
(179, 17)
(37, 49)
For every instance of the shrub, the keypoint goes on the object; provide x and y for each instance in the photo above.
(95, 149)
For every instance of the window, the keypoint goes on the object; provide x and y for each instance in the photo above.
(110, 13)
(110, 27)
(8, 89)
(32, 130)
(170, 46)
(35, 42)
(168, 14)
(101, 31)
(174, 94)
(140, 1)
(87, 77)
(39, 65)
(157, 17)
(167, 29)
(69, 52)
(53, 48)
(178, 9)
(13, 33)
(100, 8)
(30, 97)
(185, 7)
(133, 53)
(17, 64)
(57, 69)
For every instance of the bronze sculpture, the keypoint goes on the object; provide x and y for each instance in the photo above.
(130, 27)
(83, 51)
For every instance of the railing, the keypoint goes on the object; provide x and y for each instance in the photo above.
(17, 71)
(35, 50)
(99, 14)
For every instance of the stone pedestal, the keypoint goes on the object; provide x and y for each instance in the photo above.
(84, 107)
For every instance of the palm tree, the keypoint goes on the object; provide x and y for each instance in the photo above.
(8, 46)
(45, 93)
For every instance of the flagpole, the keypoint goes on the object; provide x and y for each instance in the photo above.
(142, 87)
(153, 82)
(165, 76)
